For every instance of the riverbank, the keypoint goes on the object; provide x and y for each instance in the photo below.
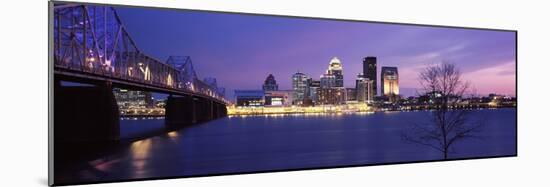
(335, 111)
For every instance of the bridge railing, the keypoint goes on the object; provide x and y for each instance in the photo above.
(92, 39)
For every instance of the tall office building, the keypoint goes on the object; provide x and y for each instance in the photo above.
(327, 81)
(389, 81)
(364, 89)
(369, 71)
(299, 86)
(313, 92)
(360, 77)
(335, 68)
(331, 85)
(270, 84)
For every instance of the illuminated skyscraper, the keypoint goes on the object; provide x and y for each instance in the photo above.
(299, 86)
(314, 86)
(327, 81)
(332, 89)
(389, 81)
(369, 71)
(335, 68)
(270, 84)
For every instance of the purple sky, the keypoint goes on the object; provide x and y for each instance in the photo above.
(241, 50)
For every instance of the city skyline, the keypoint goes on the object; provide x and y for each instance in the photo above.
(263, 45)
(301, 94)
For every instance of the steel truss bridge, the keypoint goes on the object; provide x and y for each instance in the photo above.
(91, 43)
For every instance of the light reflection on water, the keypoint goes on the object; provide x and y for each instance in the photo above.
(103, 165)
(313, 114)
(140, 151)
(173, 135)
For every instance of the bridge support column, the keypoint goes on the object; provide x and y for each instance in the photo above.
(85, 117)
(204, 110)
(223, 111)
(220, 110)
(180, 111)
(215, 110)
(211, 108)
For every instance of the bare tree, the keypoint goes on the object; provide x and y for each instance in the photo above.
(444, 85)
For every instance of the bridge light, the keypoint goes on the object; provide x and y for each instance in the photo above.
(147, 73)
(169, 80)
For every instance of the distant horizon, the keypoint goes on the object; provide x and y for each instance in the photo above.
(241, 50)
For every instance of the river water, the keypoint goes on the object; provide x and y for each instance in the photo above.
(268, 143)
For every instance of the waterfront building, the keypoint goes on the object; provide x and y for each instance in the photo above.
(249, 97)
(365, 89)
(270, 84)
(332, 96)
(299, 86)
(133, 99)
(278, 98)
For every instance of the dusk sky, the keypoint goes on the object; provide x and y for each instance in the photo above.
(241, 50)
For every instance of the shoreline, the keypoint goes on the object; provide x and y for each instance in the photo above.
(357, 112)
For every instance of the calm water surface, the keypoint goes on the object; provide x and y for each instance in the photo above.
(262, 143)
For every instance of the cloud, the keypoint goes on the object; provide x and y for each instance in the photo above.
(507, 72)
(495, 79)
(410, 66)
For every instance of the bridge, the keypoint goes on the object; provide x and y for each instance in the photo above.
(94, 49)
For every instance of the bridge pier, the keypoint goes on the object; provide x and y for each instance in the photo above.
(180, 111)
(85, 117)
(204, 110)
(220, 110)
(223, 110)
(216, 110)
(187, 110)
